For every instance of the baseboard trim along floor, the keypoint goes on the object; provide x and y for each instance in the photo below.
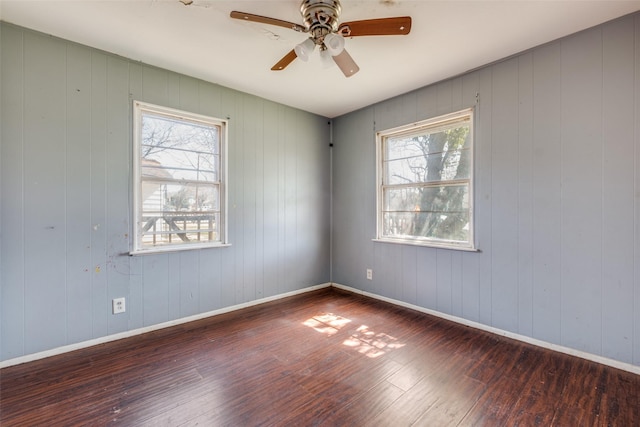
(523, 338)
(139, 331)
(529, 340)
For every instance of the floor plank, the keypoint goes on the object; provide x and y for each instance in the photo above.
(327, 357)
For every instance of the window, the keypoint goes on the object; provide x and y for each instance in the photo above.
(425, 182)
(179, 179)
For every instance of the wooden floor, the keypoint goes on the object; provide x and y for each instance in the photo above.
(325, 358)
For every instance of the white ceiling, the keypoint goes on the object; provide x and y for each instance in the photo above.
(447, 38)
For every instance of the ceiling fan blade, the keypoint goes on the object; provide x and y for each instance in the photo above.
(376, 27)
(346, 63)
(266, 20)
(286, 60)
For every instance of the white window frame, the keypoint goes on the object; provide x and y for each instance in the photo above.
(422, 127)
(139, 110)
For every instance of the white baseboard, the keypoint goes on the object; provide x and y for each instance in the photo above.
(529, 340)
(139, 331)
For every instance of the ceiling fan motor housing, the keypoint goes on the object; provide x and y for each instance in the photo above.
(320, 16)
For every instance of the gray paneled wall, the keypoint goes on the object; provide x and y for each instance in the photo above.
(557, 196)
(65, 198)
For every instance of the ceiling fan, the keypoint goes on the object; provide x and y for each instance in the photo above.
(322, 23)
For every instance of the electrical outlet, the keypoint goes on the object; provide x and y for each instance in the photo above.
(369, 274)
(118, 305)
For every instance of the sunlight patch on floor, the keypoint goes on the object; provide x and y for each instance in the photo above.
(364, 340)
(327, 323)
(372, 344)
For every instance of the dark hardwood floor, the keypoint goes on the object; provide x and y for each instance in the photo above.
(324, 358)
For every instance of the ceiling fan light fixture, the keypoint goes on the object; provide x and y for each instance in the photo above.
(334, 43)
(303, 50)
(322, 24)
(325, 59)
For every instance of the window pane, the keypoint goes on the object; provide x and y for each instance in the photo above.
(438, 199)
(161, 132)
(436, 167)
(168, 228)
(437, 154)
(431, 140)
(429, 212)
(179, 196)
(179, 149)
(401, 199)
(162, 196)
(398, 148)
(180, 164)
(449, 227)
(425, 185)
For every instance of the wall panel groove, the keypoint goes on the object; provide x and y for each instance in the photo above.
(556, 196)
(66, 173)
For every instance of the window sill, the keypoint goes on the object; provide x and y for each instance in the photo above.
(176, 249)
(427, 244)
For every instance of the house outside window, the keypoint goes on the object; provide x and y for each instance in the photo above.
(425, 182)
(179, 179)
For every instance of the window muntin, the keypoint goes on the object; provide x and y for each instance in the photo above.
(425, 186)
(179, 195)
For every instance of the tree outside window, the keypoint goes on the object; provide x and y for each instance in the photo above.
(179, 188)
(425, 182)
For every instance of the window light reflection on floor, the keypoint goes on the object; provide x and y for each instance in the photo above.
(327, 323)
(363, 340)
